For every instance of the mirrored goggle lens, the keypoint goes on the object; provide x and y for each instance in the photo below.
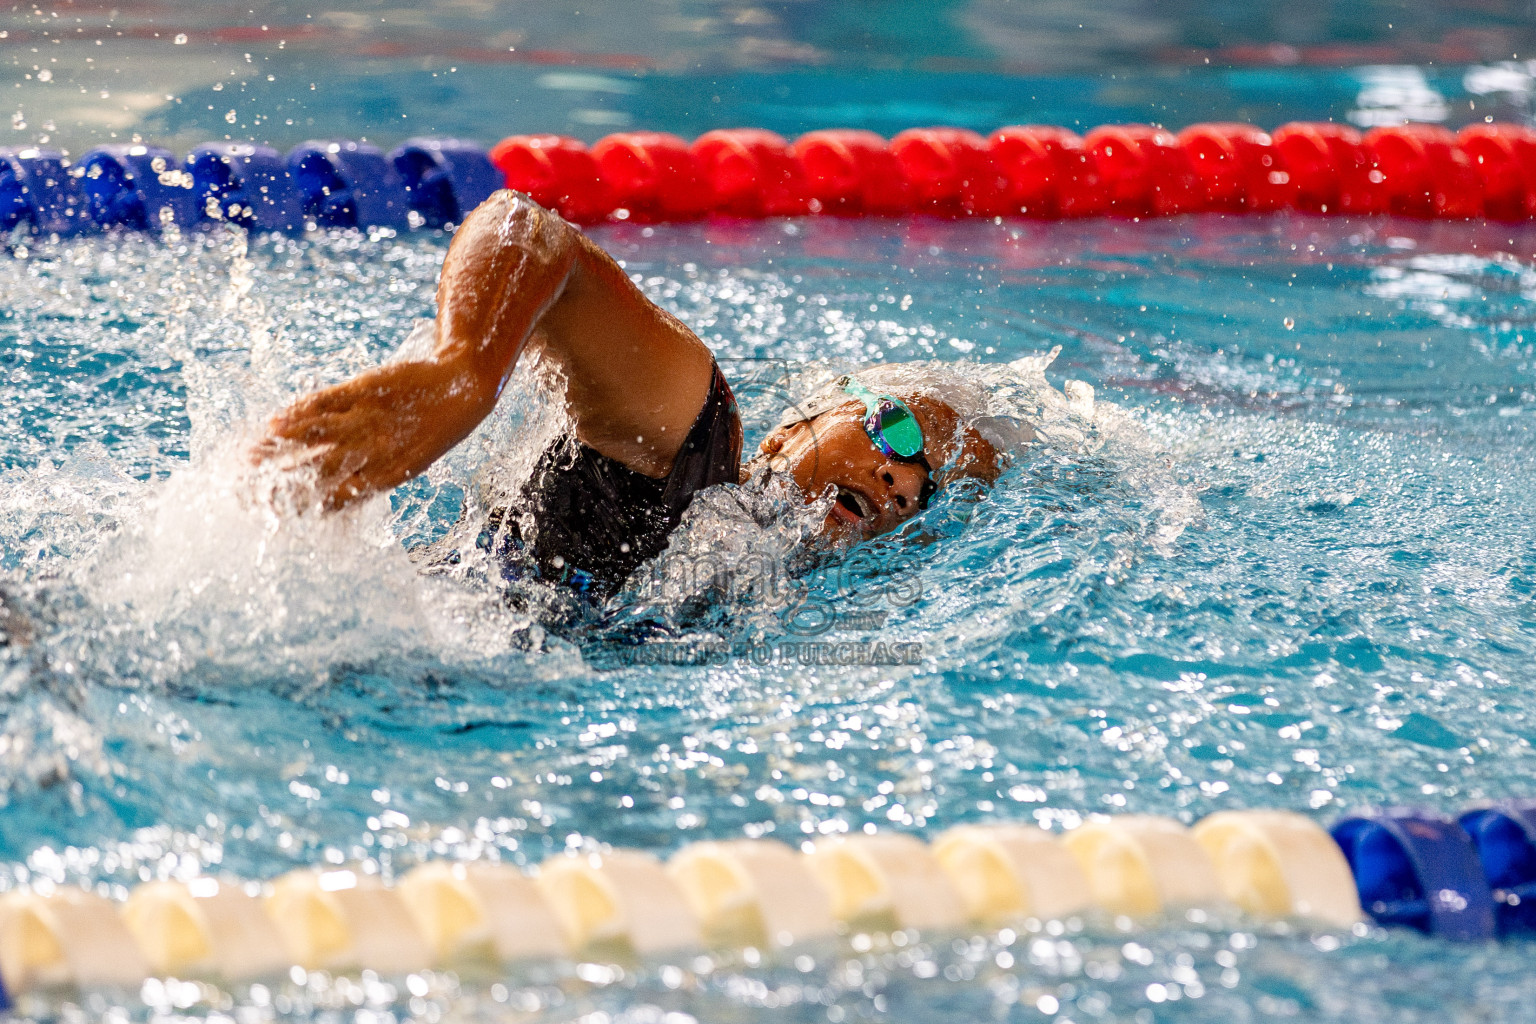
(900, 430)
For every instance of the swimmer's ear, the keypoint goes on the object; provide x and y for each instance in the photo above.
(780, 436)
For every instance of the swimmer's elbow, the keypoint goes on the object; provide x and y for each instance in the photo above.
(508, 265)
(511, 224)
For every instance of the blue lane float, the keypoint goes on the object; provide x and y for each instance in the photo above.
(347, 184)
(445, 178)
(136, 187)
(1419, 870)
(328, 183)
(1505, 837)
(246, 184)
(37, 188)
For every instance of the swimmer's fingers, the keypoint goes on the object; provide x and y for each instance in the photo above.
(284, 475)
(366, 459)
(314, 447)
(376, 431)
(307, 476)
(311, 421)
(332, 413)
(270, 448)
(274, 452)
(263, 449)
(345, 492)
(321, 422)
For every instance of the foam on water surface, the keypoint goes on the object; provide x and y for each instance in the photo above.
(1285, 562)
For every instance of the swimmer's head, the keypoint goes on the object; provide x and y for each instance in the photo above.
(823, 443)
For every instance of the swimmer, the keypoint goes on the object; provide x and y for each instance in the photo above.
(654, 416)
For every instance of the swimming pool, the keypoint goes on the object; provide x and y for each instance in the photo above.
(1300, 581)
(1299, 575)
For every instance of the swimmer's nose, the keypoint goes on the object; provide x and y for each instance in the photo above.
(902, 487)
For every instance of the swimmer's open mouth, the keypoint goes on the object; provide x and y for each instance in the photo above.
(853, 506)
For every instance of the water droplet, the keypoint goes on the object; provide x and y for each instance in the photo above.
(181, 39)
(1290, 324)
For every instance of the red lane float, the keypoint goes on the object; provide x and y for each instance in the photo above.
(1424, 172)
(652, 176)
(1047, 173)
(750, 173)
(849, 172)
(1034, 171)
(1144, 171)
(558, 172)
(949, 172)
(1417, 170)
(1504, 157)
(1236, 167)
(1329, 169)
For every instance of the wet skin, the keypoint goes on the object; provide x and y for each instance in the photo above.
(518, 280)
(832, 453)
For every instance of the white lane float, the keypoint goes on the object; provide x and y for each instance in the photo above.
(1280, 864)
(482, 910)
(729, 894)
(752, 892)
(67, 937)
(1006, 873)
(616, 899)
(205, 928)
(884, 881)
(1141, 865)
(344, 920)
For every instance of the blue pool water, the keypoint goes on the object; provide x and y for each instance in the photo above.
(1296, 573)
(1289, 565)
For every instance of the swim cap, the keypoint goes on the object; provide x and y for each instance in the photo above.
(1005, 404)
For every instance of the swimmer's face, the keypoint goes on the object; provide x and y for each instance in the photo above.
(832, 454)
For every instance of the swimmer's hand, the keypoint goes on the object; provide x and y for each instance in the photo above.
(376, 431)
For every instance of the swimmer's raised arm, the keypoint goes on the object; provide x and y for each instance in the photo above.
(516, 279)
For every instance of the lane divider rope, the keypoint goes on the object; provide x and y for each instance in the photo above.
(1030, 171)
(1467, 879)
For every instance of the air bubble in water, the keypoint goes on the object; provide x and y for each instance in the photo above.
(1290, 324)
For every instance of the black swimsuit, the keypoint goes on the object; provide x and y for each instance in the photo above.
(594, 520)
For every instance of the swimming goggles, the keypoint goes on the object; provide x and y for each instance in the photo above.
(893, 430)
